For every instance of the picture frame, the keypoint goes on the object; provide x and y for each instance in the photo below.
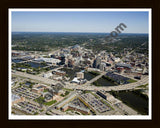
(80, 123)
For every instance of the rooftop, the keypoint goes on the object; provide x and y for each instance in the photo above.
(123, 65)
(15, 97)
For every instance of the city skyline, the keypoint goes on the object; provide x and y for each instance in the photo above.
(92, 21)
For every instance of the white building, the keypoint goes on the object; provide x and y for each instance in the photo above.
(49, 60)
(80, 75)
(75, 80)
(117, 59)
(47, 75)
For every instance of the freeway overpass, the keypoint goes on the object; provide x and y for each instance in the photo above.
(129, 86)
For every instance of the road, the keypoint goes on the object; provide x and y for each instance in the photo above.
(87, 85)
(94, 79)
(41, 74)
(129, 86)
(34, 77)
(121, 111)
(132, 51)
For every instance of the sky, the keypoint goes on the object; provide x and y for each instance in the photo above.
(105, 22)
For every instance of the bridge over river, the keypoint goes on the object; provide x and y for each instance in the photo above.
(88, 85)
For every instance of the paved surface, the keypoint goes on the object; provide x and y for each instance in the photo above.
(129, 86)
(87, 85)
(34, 77)
(117, 111)
(41, 74)
(95, 78)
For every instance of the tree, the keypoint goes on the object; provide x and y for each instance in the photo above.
(40, 100)
(30, 86)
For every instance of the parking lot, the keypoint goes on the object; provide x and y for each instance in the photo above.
(24, 92)
(78, 103)
(95, 103)
(118, 78)
(28, 108)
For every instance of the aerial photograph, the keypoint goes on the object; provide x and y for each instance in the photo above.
(79, 63)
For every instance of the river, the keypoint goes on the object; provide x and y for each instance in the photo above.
(134, 99)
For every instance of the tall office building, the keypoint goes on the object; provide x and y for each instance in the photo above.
(102, 67)
(97, 62)
(62, 60)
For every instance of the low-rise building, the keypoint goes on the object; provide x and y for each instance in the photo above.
(78, 81)
(49, 60)
(22, 69)
(93, 69)
(47, 75)
(124, 65)
(16, 99)
(117, 59)
(76, 108)
(79, 109)
(58, 72)
(66, 101)
(39, 88)
(101, 94)
(80, 75)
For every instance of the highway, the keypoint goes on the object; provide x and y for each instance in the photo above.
(129, 86)
(86, 86)
(34, 77)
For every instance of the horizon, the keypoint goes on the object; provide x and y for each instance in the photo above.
(73, 32)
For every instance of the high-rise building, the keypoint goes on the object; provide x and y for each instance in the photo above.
(62, 60)
(102, 66)
(97, 62)
(70, 63)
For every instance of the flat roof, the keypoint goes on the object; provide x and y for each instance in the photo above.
(15, 97)
(66, 100)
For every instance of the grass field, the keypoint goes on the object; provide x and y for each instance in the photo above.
(131, 81)
(50, 103)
